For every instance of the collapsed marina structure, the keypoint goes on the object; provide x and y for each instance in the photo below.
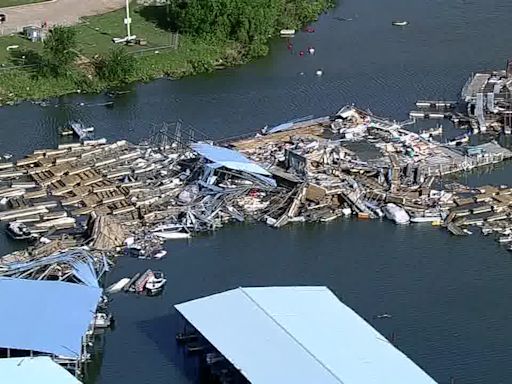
(488, 97)
(83, 204)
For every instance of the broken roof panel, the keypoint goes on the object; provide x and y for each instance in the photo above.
(34, 370)
(229, 158)
(298, 335)
(46, 316)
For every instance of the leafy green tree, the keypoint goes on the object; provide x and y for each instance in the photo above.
(59, 52)
(117, 67)
(249, 22)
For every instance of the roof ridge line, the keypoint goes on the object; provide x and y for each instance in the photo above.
(291, 336)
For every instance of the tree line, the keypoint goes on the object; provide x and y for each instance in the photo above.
(60, 53)
(249, 22)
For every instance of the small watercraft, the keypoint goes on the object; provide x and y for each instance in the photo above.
(400, 23)
(384, 316)
(287, 32)
(343, 18)
(395, 213)
(171, 235)
(486, 231)
(159, 254)
(459, 140)
(155, 283)
(19, 231)
(505, 239)
(102, 320)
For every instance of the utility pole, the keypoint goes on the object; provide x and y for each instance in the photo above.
(128, 21)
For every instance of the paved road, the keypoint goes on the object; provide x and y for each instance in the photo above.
(60, 12)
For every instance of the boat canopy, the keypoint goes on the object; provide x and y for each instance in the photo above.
(299, 335)
(229, 158)
(46, 316)
(33, 370)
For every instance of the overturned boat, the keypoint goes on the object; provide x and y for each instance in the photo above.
(395, 213)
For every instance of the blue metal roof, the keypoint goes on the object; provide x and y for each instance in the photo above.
(228, 158)
(298, 335)
(82, 265)
(45, 316)
(34, 370)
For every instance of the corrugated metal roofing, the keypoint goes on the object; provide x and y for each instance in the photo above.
(34, 370)
(81, 261)
(298, 335)
(45, 316)
(228, 158)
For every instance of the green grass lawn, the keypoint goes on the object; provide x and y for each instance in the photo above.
(94, 37)
(10, 3)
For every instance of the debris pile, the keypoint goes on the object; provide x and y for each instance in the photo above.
(107, 196)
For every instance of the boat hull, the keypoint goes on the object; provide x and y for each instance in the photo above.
(172, 235)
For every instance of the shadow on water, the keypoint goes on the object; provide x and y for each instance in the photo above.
(161, 331)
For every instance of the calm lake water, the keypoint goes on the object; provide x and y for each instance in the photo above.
(448, 296)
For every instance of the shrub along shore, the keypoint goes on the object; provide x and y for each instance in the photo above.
(213, 34)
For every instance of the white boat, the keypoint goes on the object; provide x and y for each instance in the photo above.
(19, 231)
(118, 287)
(400, 23)
(63, 221)
(486, 231)
(170, 235)
(101, 320)
(395, 213)
(432, 132)
(459, 140)
(287, 32)
(505, 239)
(155, 283)
(426, 219)
(160, 254)
(346, 211)
(165, 227)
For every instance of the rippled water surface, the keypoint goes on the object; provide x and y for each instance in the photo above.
(448, 296)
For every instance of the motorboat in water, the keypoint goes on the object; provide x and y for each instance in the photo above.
(486, 231)
(459, 140)
(401, 23)
(395, 213)
(426, 219)
(505, 239)
(155, 283)
(172, 235)
(159, 254)
(102, 320)
(19, 231)
(437, 131)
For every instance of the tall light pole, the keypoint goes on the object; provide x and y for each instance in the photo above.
(128, 21)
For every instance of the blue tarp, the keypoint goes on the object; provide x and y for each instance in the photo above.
(45, 316)
(34, 370)
(299, 335)
(229, 158)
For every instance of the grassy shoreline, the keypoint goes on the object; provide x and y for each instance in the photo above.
(155, 60)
